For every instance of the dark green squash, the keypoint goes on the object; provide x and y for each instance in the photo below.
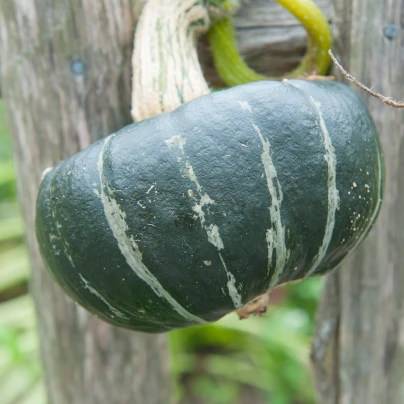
(184, 217)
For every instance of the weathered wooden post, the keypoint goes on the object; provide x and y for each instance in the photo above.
(358, 350)
(66, 79)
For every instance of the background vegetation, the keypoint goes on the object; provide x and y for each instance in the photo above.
(259, 360)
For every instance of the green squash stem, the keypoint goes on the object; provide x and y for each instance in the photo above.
(166, 69)
(234, 71)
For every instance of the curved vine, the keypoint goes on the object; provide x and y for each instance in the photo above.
(234, 71)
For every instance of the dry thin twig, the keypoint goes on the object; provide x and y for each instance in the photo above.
(382, 98)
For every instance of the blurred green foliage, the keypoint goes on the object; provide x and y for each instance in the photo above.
(7, 187)
(20, 371)
(263, 359)
(258, 360)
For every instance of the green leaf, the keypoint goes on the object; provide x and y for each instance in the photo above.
(7, 174)
(16, 384)
(11, 228)
(35, 395)
(17, 312)
(14, 267)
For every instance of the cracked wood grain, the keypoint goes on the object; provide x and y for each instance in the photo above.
(66, 82)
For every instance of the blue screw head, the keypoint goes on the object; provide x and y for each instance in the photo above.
(390, 31)
(78, 67)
